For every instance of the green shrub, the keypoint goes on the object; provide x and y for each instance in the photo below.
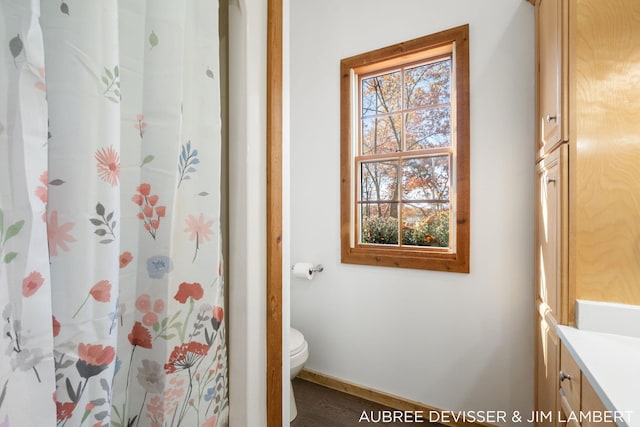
(380, 230)
(430, 231)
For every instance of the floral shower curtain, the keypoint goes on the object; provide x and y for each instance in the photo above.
(111, 284)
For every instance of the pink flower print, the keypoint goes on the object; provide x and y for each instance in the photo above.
(143, 303)
(140, 336)
(189, 290)
(176, 389)
(108, 165)
(210, 422)
(101, 292)
(155, 411)
(173, 393)
(185, 356)
(158, 306)
(125, 259)
(56, 326)
(218, 315)
(32, 283)
(198, 228)
(58, 234)
(149, 318)
(146, 201)
(200, 231)
(40, 84)
(93, 359)
(64, 410)
(140, 125)
(144, 189)
(41, 190)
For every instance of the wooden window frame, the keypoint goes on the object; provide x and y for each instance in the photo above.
(453, 42)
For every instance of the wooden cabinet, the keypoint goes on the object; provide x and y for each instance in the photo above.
(552, 232)
(569, 378)
(552, 74)
(547, 366)
(551, 273)
(580, 405)
(551, 225)
(591, 404)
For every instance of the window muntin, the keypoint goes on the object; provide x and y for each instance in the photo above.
(405, 154)
(404, 199)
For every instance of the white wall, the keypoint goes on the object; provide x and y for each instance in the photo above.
(247, 208)
(452, 341)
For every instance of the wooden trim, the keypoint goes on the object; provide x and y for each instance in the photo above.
(572, 260)
(407, 258)
(406, 60)
(537, 133)
(564, 69)
(274, 213)
(567, 296)
(411, 49)
(401, 155)
(382, 398)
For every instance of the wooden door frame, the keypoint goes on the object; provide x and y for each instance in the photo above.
(274, 213)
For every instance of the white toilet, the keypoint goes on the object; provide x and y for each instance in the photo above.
(298, 355)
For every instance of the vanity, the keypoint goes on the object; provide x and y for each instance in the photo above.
(599, 366)
(599, 377)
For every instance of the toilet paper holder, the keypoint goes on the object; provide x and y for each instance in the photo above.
(314, 269)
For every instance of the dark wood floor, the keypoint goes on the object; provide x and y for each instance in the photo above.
(319, 406)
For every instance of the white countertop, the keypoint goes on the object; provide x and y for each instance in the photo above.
(611, 363)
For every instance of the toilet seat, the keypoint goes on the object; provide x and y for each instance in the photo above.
(297, 343)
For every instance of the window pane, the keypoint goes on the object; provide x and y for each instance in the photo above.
(425, 178)
(381, 94)
(379, 223)
(428, 84)
(429, 128)
(381, 135)
(379, 181)
(425, 224)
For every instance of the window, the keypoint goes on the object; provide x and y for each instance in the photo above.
(405, 154)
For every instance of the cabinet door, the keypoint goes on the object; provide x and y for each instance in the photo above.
(592, 404)
(547, 368)
(551, 75)
(551, 232)
(570, 380)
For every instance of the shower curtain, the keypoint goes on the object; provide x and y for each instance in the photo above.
(111, 282)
